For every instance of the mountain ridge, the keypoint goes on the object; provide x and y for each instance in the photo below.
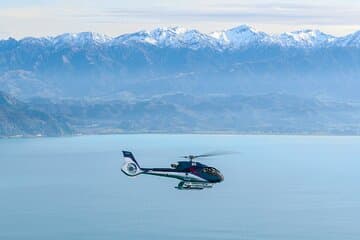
(240, 36)
(18, 118)
(181, 113)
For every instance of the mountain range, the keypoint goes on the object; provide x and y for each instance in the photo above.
(178, 37)
(240, 60)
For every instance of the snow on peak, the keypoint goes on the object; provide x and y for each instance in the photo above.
(37, 41)
(169, 30)
(172, 36)
(242, 28)
(239, 36)
(169, 36)
(303, 38)
(351, 40)
(81, 38)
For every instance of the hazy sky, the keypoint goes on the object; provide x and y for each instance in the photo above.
(20, 18)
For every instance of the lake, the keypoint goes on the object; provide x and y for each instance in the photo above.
(276, 187)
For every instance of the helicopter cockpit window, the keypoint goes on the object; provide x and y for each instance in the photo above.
(210, 170)
(174, 165)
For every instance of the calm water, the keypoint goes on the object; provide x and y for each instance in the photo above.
(279, 187)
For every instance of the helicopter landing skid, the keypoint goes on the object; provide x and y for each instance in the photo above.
(193, 185)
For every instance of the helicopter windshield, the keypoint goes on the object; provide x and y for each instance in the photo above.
(211, 170)
(174, 165)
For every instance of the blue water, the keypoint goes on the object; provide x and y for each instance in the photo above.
(278, 187)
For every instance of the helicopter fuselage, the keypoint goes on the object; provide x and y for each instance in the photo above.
(188, 171)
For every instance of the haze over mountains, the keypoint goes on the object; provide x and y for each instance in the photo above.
(129, 82)
(180, 113)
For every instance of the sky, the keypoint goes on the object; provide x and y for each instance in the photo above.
(22, 18)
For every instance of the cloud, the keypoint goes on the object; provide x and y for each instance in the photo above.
(115, 17)
(286, 14)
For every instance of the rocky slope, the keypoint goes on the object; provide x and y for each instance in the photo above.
(19, 119)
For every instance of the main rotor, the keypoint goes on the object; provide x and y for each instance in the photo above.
(192, 157)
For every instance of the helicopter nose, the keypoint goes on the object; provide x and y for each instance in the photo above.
(221, 177)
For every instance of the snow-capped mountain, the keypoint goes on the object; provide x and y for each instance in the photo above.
(304, 38)
(169, 37)
(80, 39)
(245, 35)
(240, 36)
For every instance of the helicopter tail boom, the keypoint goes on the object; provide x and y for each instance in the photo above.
(130, 167)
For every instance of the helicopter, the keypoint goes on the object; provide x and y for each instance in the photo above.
(192, 175)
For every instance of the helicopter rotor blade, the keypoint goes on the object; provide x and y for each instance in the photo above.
(212, 154)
